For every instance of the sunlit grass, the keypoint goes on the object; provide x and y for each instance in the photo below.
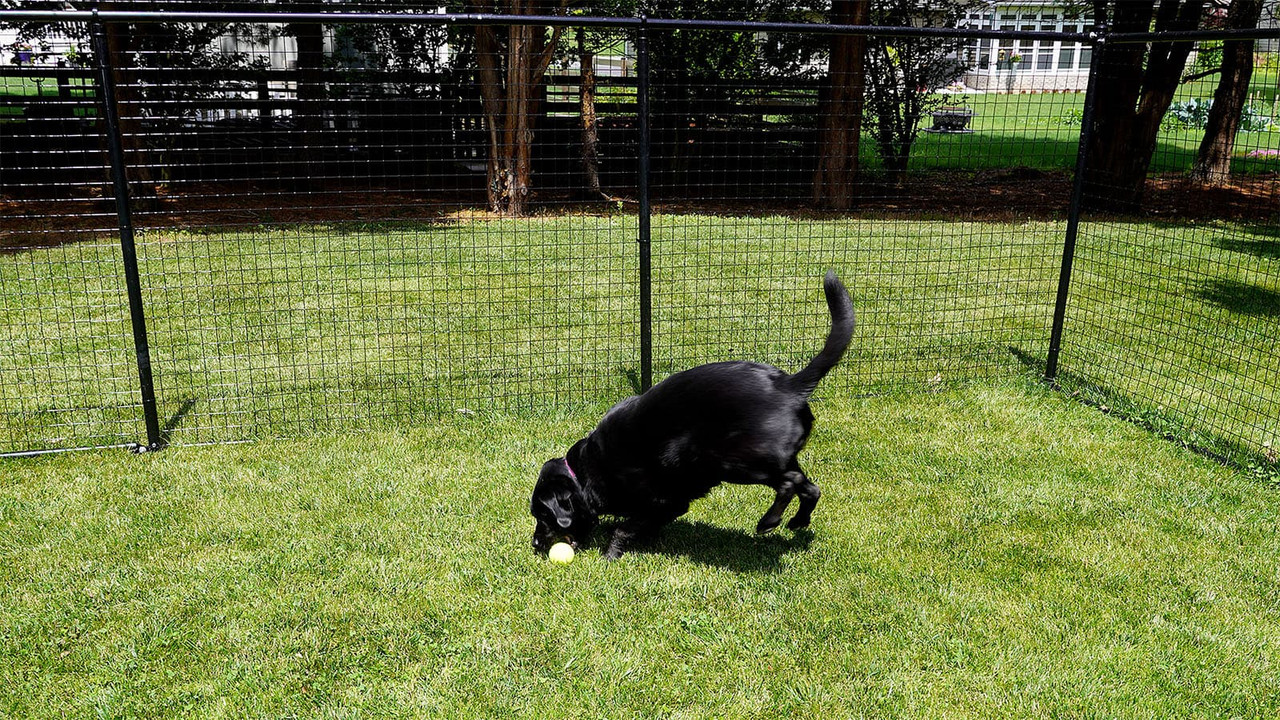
(268, 332)
(996, 551)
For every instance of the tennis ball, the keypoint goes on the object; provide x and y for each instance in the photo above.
(561, 553)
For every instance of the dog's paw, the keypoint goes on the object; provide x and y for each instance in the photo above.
(798, 523)
(767, 525)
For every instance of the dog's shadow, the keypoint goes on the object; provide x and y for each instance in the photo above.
(728, 548)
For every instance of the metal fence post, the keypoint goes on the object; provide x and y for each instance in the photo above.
(115, 149)
(1073, 210)
(646, 278)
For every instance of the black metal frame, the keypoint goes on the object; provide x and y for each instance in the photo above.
(128, 248)
(646, 212)
(1072, 232)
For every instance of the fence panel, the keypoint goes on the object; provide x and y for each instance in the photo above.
(952, 260)
(331, 260)
(67, 373)
(1175, 311)
(342, 226)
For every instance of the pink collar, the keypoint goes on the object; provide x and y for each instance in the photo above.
(569, 467)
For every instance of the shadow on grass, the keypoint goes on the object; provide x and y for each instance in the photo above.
(1160, 421)
(1242, 298)
(166, 432)
(633, 378)
(729, 548)
(1258, 247)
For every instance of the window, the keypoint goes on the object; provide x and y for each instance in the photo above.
(1067, 58)
(1044, 59)
(1086, 57)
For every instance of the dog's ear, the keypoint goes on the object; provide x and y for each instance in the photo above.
(555, 493)
(560, 504)
(562, 508)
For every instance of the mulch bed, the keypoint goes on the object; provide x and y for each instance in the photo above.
(989, 195)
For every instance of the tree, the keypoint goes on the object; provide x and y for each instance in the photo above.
(1213, 160)
(699, 77)
(1135, 87)
(903, 74)
(511, 71)
(590, 125)
(590, 42)
(840, 109)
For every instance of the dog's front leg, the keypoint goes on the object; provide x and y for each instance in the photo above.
(622, 537)
(640, 526)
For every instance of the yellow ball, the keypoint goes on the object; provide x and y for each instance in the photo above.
(560, 553)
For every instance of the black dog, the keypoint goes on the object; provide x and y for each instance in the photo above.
(653, 454)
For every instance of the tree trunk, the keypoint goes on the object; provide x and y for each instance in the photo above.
(311, 100)
(510, 105)
(1213, 160)
(587, 111)
(515, 136)
(488, 67)
(1131, 101)
(841, 110)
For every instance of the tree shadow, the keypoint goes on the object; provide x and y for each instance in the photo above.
(1260, 247)
(1242, 298)
(728, 548)
(633, 379)
(1262, 241)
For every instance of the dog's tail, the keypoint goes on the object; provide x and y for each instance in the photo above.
(842, 321)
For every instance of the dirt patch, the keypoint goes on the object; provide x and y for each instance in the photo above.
(990, 195)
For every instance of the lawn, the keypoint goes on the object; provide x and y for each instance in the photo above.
(991, 551)
(283, 331)
(1041, 131)
(986, 547)
(15, 91)
(268, 331)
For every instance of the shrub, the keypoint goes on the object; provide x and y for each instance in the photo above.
(1073, 117)
(1194, 113)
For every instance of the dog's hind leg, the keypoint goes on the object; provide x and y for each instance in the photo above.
(808, 492)
(786, 490)
(809, 495)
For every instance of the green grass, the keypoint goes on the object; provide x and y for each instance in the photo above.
(14, 88)
(271, 331)
(994, 551)
(985, 547)
(1190, 306)
(1032, 130)
(267, 331)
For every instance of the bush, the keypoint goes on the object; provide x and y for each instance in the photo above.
(1194, 113)
(1073, 117)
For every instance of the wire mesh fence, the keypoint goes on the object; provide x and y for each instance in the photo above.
(353, 222)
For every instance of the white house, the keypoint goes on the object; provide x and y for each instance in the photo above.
(1007, 65)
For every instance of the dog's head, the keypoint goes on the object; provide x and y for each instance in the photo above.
(559, 507)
